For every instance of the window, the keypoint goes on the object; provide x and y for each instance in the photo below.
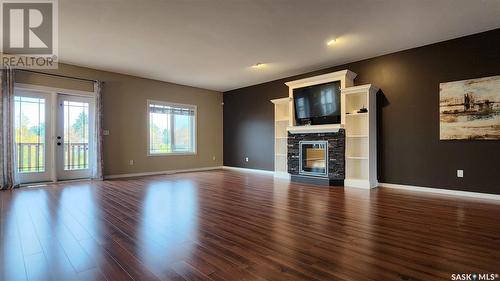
(172, 128)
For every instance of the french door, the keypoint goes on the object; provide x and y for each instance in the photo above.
(32, 129)
(54, 136)
(74, 137)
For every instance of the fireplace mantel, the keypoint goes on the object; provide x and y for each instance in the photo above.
(328, 128)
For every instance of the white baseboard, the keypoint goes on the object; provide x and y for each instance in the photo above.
(168, 172)
(248, 170)
(442, 191)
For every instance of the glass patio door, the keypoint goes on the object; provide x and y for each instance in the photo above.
(32, 126)
(54, 136)
(74, 137)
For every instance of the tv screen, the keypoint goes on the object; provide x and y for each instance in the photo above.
(317, 104)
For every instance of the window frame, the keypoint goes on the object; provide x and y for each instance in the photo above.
(148, 133)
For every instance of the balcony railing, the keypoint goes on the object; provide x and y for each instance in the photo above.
(76, 156)
(31, 157)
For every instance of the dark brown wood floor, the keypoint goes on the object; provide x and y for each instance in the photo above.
(226, 225)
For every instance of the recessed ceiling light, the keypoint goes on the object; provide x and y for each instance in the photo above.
(331, 42)
(258, 65)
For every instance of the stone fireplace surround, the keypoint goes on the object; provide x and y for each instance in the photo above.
(336, 157)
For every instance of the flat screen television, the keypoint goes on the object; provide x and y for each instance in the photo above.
(317, 104)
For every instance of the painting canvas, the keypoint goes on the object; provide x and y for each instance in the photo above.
(470, 109)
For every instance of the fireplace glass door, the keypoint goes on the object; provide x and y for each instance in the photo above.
(313, 158)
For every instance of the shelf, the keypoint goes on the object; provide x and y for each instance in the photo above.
(314, 128)
(360, 152)
(363, 89)
(281, 120)
(356, 158)
(281, 137)
(357, 114)
(357, 136)
(280, 154)
(281, 101)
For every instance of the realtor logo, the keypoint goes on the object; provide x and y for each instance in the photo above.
(29, 33)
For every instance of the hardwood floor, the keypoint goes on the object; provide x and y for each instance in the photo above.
(227, 225)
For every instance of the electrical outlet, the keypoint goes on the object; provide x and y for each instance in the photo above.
(131, 162)
(460, 173)
(213, 158)
(105, 132)
(246, 159)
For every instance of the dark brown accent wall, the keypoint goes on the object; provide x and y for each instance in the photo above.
(409, 149)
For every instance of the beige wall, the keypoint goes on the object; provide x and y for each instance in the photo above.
(124, 103)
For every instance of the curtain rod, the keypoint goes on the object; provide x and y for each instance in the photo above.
(57, 75)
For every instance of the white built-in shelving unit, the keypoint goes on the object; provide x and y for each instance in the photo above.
(360, 128)
(281, 120)
(361, 136)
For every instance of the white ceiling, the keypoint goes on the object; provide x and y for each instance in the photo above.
(212, 44)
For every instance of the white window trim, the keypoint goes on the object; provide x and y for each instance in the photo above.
(195, 128)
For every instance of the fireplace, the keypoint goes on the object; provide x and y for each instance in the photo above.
(313, 158)
(317, 158)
